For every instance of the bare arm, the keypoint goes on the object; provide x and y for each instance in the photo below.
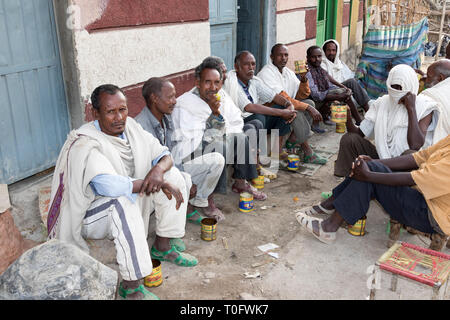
(362, 172)
(416, 130)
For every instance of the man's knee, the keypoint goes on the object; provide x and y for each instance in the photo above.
(377, 166)
(310, 102)
(214, 160)
(350, 139)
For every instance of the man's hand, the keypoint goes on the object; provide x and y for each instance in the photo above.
(193, 191)
(364, 158)
(214, 104)
(408, 100)
(360, 170)
(170, 190)
(314, 113)
(303, 77)
(152, 181)
(288, 115)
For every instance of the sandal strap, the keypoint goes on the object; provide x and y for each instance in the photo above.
(190, 215)
(162, 254)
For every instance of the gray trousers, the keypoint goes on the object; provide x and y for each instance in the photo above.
(359, 93)
(302, 124)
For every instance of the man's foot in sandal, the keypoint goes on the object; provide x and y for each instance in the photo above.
(314, 226)
(194, 217)
(257, 195)
(139, 293)
(173, 255)
(317, 209)
(314, 159)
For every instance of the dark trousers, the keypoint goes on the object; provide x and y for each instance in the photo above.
(403, 204)
(243, 160)
(271, 122)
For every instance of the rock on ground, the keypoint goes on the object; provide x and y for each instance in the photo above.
(57, 271)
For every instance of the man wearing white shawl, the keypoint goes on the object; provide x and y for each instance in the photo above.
(206, 120)
(201, 174)
(340, 72)
(438, 89)
(284, 81)
(110, 175)
(399, 123)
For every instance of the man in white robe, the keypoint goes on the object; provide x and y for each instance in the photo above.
(399, 123)
(110, 175)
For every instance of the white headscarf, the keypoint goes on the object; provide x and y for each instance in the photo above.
(391, 118)
(337, 69)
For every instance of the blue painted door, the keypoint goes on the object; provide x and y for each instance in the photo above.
(250, 28)
(33, 110)
(223, 19)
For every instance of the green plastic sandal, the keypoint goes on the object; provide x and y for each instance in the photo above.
(197, 221)
(315, 159)
(147, 294)
(183, 259)
(178, 244)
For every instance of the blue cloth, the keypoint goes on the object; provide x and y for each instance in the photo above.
(114, 186)
(385, 47)
(404, 204)
(246, 90)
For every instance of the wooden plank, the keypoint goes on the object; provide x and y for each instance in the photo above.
(353, 22)
(339, 14)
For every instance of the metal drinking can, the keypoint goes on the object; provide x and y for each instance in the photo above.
(246, 202)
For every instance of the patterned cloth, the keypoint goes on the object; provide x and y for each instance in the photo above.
(388, 46)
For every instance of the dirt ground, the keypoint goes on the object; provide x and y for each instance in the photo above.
(232, 267)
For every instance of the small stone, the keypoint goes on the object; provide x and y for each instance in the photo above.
(210, 275)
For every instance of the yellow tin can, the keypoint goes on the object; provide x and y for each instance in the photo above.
(258, 182)
(341, 127)
(293, 162)
(155, 278)
(209, 228)
(358, 229)
(246, 202)
(339, 113)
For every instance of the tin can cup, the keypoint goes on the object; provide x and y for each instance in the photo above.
(339, 113)
(246, 202)
(300, 66)
(293, 162)
(359, 228)
(155, 279)
(341, 127)
(258, 182)
(209, 229)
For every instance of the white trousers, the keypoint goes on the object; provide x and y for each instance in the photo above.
(126, 223)
(204, 172)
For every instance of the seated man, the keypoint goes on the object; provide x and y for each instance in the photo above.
(399, 122)
(437, 88)
(205, 122)
(202, 173)
(419, 199)
(110, 175)
(324, 89)
(276, 75)
(250, 93)
(340, 72)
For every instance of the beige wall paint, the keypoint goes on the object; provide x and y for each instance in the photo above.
(291, 26)
(128, 56)
(293, 4)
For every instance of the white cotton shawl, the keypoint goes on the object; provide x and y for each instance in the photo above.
(391, 118)
(87, 153)
(441, 94)
(286, 81)
(190, 115)
(337, 69)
